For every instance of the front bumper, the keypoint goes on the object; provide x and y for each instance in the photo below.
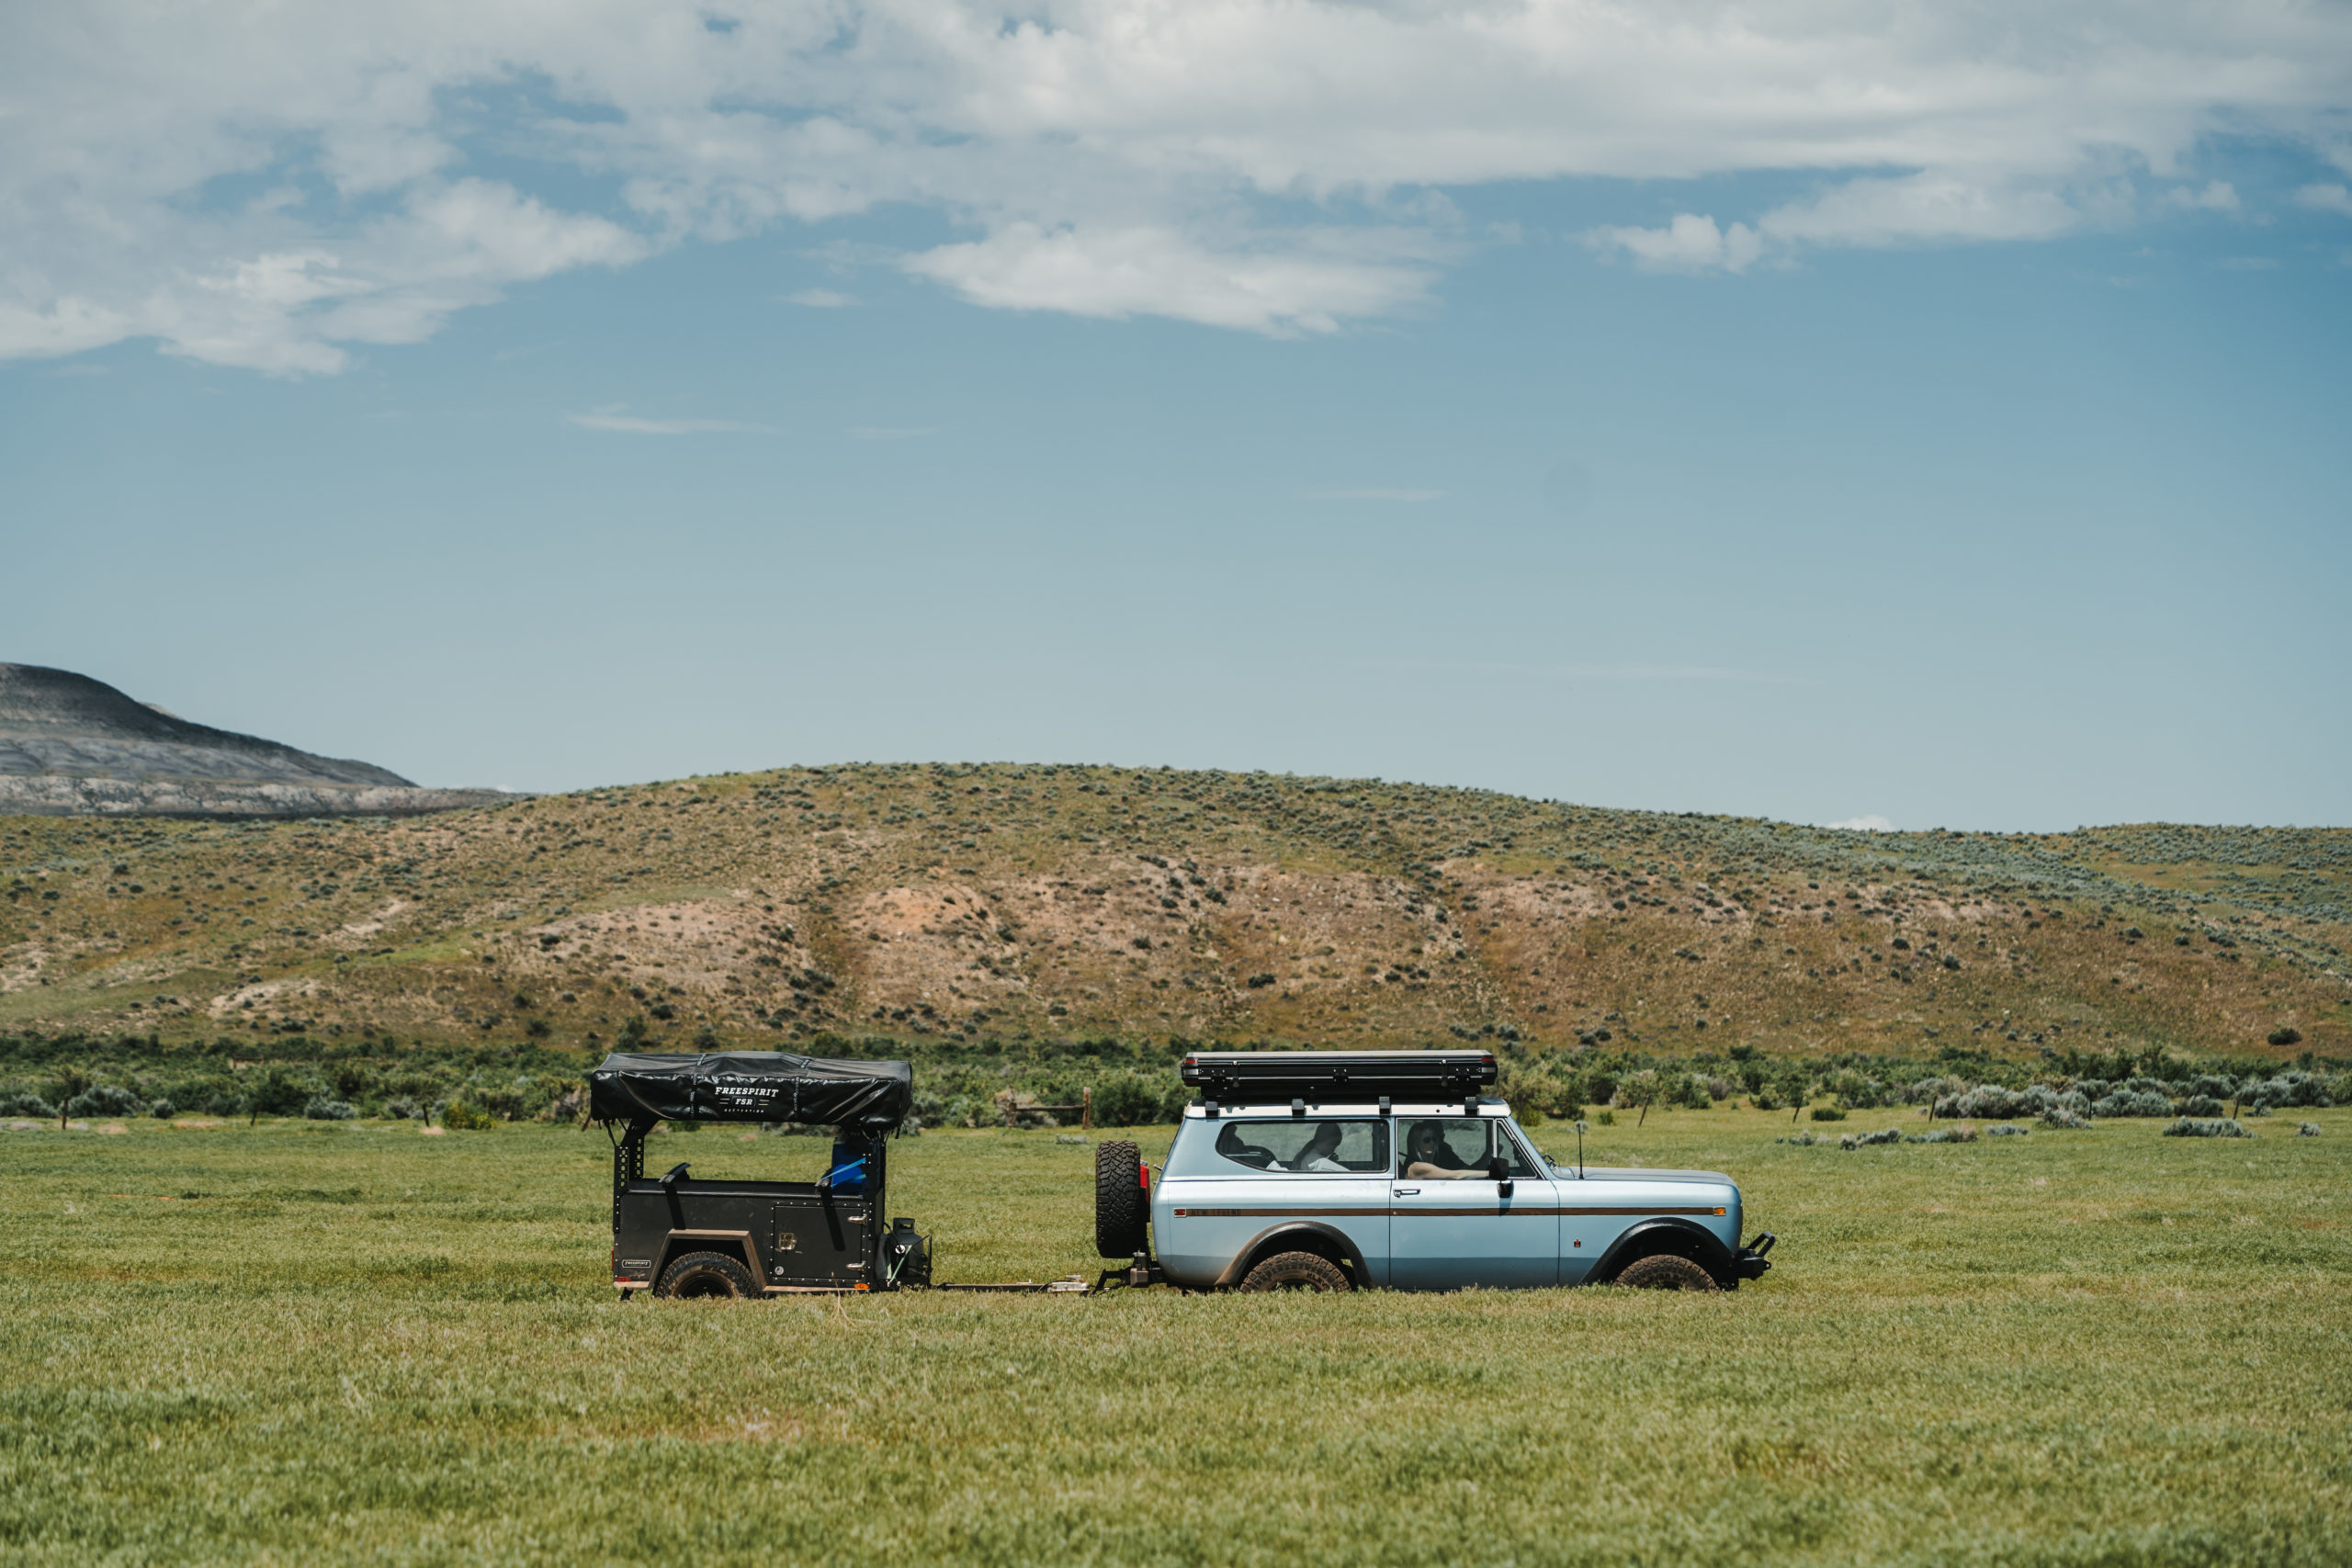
(1751, 1262)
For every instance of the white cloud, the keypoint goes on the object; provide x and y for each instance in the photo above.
(821, 299)
(1130, 271)
(2326, 198)
(1690, 243)
(2218, 195)
(630, 424)
(1872, 824)
(271, 187)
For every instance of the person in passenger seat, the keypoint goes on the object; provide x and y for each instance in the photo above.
(1428, 1158)
(1321, 1144)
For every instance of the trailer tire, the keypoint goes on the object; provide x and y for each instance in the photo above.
(1665, 1271)
(1122, 1207)
(707, 1274)
(1298, 1271)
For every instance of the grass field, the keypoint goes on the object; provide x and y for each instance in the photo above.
(318, 1342)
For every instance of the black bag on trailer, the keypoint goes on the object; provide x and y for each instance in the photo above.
(751, 1085)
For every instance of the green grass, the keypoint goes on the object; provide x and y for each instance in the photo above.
(302, 1343)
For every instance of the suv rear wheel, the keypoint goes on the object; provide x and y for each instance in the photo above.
(1298, 1271)
(1120, 1204)
(707, 1274)
(1665, 1271)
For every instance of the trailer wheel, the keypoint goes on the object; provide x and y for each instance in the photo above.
(1298, 1271)
(1121, 1205)
(1665, 1271)
(699, 1274)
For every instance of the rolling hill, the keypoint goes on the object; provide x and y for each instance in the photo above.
(1003, 908)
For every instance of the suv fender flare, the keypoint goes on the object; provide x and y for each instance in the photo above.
(1695, 1242)
(1251, 1250)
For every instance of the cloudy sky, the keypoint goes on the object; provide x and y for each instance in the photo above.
(1929, 413)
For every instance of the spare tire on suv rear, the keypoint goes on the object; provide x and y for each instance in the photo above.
(1121, 1206)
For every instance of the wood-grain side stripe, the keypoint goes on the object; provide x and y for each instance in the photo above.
(1186, 1214)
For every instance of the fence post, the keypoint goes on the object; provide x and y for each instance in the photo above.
(1086, 1111)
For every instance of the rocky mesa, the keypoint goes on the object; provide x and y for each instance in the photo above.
(71, 745)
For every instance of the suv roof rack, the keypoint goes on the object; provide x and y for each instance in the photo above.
(1277, 1077)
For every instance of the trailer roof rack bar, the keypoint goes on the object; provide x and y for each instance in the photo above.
(1305, 1077)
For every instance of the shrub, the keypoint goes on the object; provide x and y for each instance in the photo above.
(2286, 1034)
(1128, 1100)
(400, 1108)
(2211, 1127)
(1993, 1100)
(2132, 1103)
(2064, 1118)
(1854, 1091)
(323, 1108)
(1605, 1119)
(25, 1103)
(107, 1099)
(2200, 1105)
(2004, 1130)
(1927, 1092)
(163, 1110)
(1827, 1113)
(2307, 1130)
(277, 1093)
(1865, 1140)
(1944, 1136)
(462, 1116)
(2287, 1088)
(1806, 1139)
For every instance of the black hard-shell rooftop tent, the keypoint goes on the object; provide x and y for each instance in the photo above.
(751, 1085)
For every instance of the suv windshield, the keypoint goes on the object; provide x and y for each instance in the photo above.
(1305, 1147)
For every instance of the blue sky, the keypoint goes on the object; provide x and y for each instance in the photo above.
(1670, 449)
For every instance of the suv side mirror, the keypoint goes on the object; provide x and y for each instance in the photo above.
(1498, 1172)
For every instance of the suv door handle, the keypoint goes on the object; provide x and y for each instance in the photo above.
(1407, 1192)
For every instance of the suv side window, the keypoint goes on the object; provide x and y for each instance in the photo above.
(1451, 1146)
(1306, 1146)
(1457, 1144)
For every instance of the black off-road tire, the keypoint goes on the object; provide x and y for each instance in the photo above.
(1121, 1208)
(1665, 1271)
(1298, 1271)
(707, 1274)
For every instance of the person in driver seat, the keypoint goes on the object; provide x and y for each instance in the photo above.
(1427, 1156)
(1321, 1144)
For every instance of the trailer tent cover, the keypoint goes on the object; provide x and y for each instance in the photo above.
(751, 1085)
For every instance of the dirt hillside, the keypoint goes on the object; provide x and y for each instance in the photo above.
(1007, 902)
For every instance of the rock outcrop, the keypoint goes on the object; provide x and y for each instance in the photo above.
(72, 746)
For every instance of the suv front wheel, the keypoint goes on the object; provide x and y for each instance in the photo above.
(1665, 1271)
(1298, 1271)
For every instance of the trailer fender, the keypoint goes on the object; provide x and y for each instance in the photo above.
(736, 1244)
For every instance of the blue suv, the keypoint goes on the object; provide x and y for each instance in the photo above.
(1339, 1171)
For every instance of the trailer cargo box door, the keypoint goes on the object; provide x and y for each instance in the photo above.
(819, 1241)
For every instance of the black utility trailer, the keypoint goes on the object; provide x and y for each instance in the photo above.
(677, 1236)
